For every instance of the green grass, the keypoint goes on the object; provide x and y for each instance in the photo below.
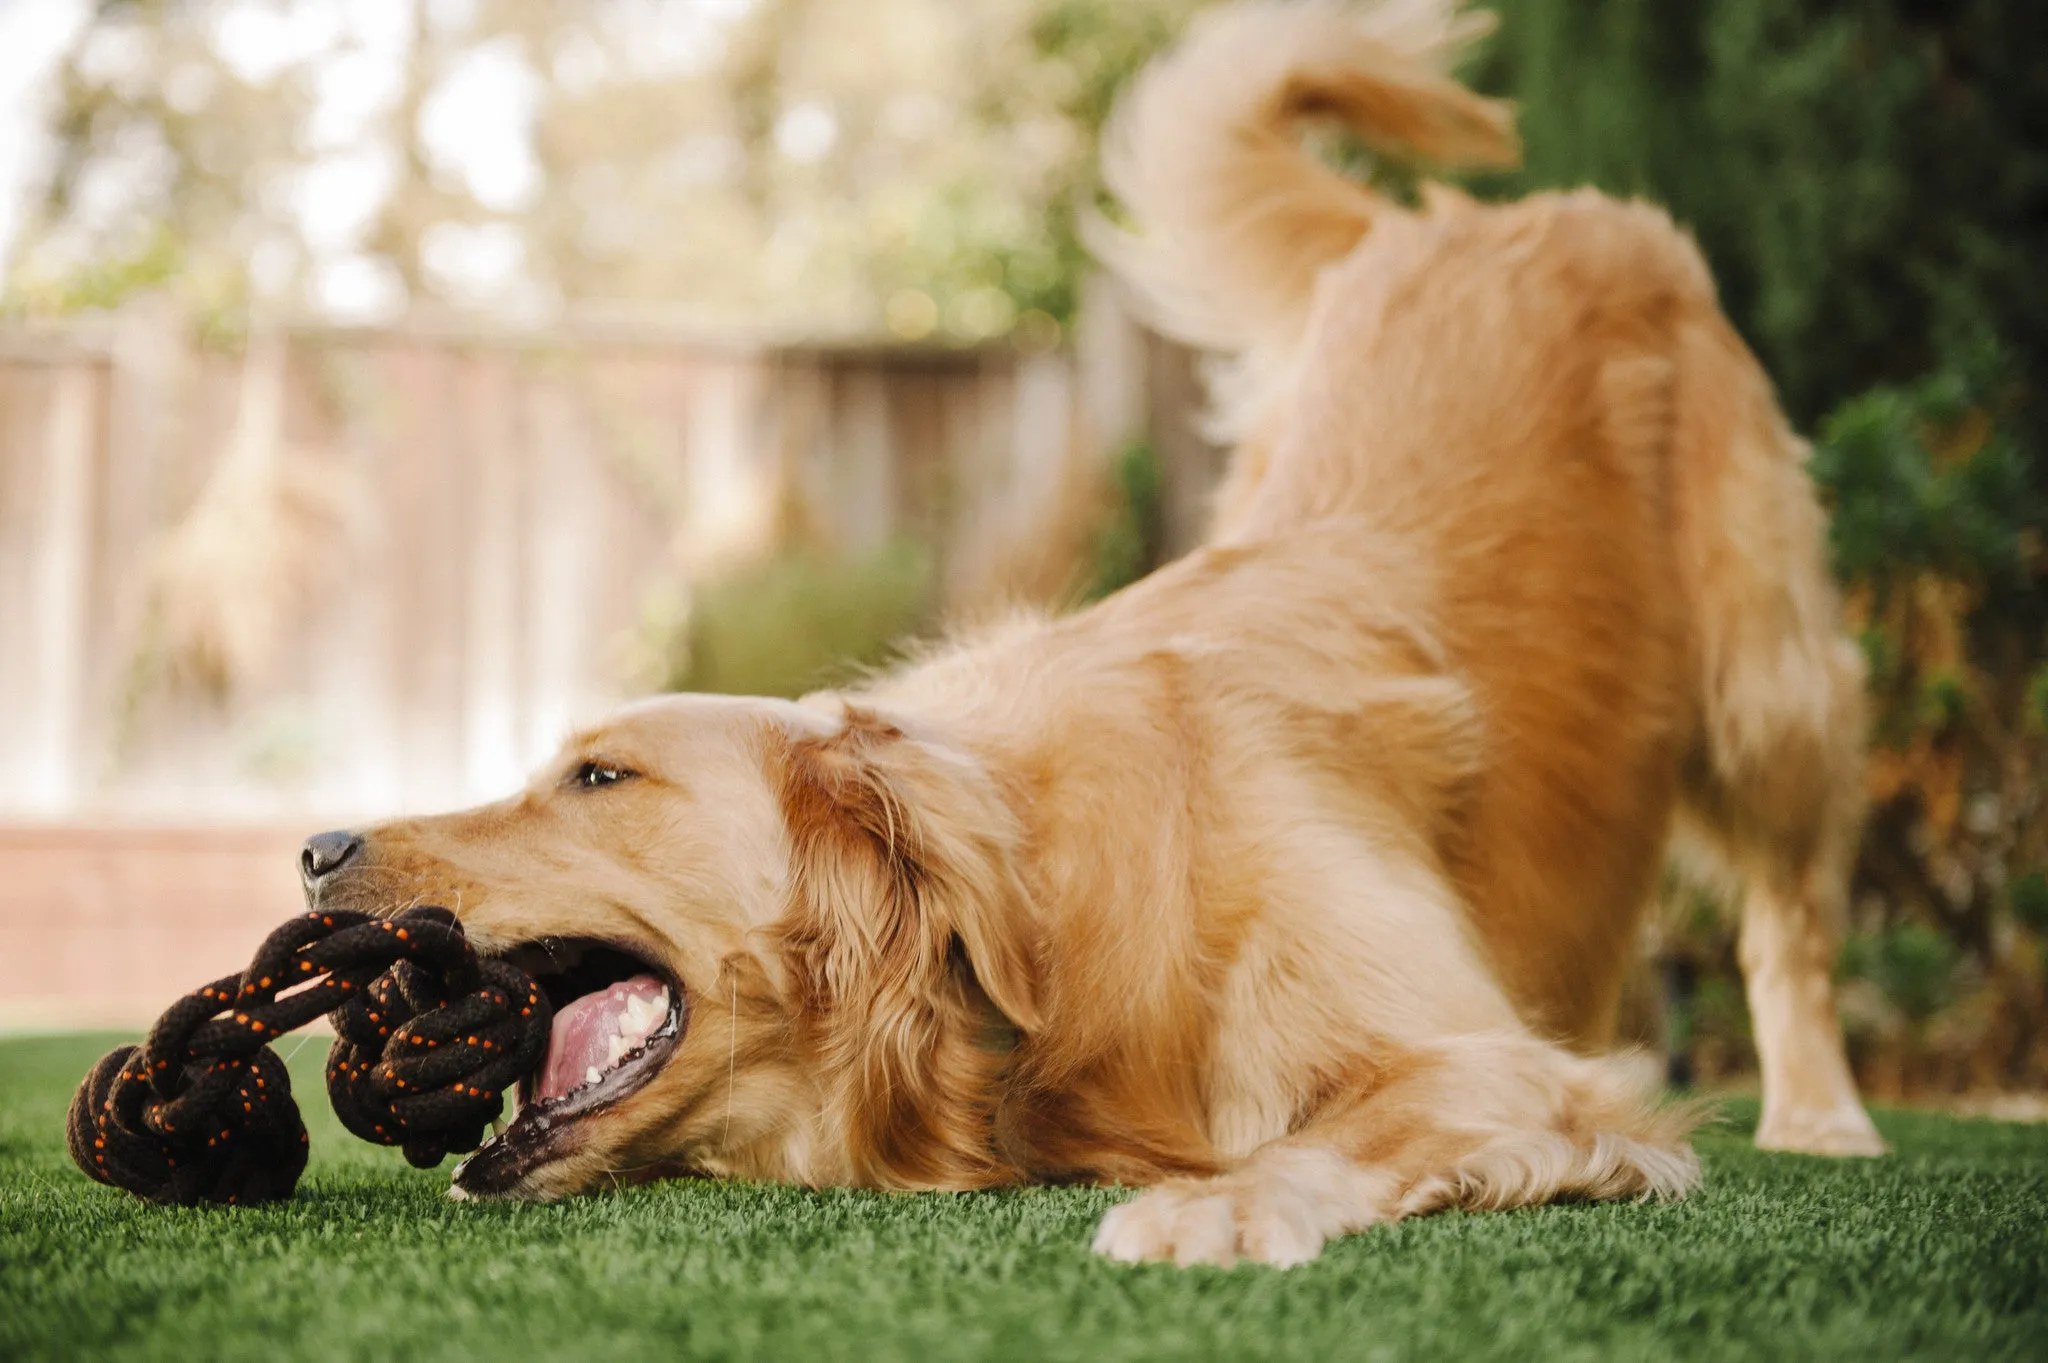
(1940, 1252)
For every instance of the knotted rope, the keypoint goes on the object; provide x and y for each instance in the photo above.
(431, 1036)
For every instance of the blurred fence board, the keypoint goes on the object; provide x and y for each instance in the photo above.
(513, 502)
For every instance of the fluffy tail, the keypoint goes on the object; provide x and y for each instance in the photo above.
(1232, 217)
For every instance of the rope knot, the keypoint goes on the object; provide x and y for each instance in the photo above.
(430, 1037)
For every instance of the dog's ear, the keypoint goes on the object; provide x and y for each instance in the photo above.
(907, 921)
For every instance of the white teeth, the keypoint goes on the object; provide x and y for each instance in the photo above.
(641, 1015)
(637, 1021)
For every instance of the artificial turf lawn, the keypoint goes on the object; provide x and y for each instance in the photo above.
(1939, 1252)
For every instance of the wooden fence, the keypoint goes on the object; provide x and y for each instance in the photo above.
(505, 510)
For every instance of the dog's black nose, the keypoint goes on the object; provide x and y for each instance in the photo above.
(326, 853)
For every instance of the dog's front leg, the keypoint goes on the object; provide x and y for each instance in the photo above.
(1279, 1209)
(1485, 1122)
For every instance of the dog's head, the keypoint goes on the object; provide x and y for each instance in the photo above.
(782, 941)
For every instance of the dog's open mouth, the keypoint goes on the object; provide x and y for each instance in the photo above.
(618, 1019)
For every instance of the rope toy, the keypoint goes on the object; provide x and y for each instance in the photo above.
(430, 1037)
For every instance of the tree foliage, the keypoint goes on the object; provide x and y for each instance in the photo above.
(1867, 177)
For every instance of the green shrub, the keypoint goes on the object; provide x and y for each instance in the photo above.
(1128, 545)
(1915, 966)
(1866, 176)
(1718, 1009)
(2028, 900)
(797, 621)
(1930, 476)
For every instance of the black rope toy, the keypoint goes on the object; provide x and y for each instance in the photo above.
(430, 1036)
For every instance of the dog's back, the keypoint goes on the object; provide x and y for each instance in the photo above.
(1544, 401)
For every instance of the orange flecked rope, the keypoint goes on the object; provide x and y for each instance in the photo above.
(431, 1037)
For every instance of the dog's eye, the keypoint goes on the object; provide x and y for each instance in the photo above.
(591, 775)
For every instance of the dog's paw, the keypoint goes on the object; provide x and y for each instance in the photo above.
(1221, 1222)
(1279, 1210)
(1838, 1131)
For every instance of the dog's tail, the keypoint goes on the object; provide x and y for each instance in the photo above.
(1231, 216)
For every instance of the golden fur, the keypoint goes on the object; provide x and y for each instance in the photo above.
(1299, 879)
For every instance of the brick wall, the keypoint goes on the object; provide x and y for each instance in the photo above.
(104, 926)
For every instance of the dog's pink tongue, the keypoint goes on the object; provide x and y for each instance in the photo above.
(581, 1039)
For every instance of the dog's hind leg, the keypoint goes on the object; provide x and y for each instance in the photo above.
(1785, 823)
(1776, 784)
(1791, 905)
(1787, 950)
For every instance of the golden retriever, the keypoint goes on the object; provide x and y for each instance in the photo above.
(1297, 882)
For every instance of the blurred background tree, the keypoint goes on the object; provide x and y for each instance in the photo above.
(901, 168)
(1867, 177)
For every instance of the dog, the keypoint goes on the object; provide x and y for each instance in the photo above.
(1296, 883)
